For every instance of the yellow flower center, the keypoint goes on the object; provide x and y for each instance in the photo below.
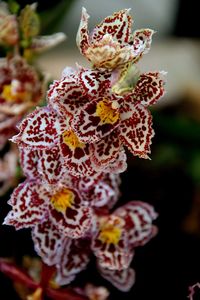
(71, 140)
(110, 234)
(106, 112)
(11, 96)
(62, 200)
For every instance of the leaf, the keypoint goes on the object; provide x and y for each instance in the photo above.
(13, 6)
(29, 22)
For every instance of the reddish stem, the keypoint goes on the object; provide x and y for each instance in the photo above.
(46, 275)
(16, 274)
(64, 294)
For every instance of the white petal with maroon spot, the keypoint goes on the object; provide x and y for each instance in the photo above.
(100, 195)
(117, 25)
(123, 280)
(138, 217)
(29, 162)
(74, 259)
(114, 181)
(48, 242)
(40, 129)
(82, 38)
(67, 95)
(119, 165)
(77, 161)
(142, 39)
(75, 220)
(136, 131)
(114, 256)
(149, 88)
(29, 202)
(50, 165)
(106, 150)
(89, 127)
(95, 83)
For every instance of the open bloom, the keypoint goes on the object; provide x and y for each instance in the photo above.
(20, 86)
(111, 43)
(108, 113)
(67, 205)
(119, 233)
(120, 120)
(112, 240)
(33, 203)
(54, 147)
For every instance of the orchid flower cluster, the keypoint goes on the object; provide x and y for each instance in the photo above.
(22, 85)
(72, 152)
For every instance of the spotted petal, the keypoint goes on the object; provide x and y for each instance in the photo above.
(50, 165)
(76, 155)
(100, 195)
(48, 242)
(74, 259)
(118, 26)
(29, 162)
(40, 130)
(119, 165)
(66, 96)
(136, 131)
(149, 88)
(138, 217)
(106, 150)
(114, 181)
(123, 280)
(29, 205)
(95, 83)
(142, 39)
(110, 245)
(82, 38)
(96, 120)
(70, 216)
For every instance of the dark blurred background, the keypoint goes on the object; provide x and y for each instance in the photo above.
(170, 263)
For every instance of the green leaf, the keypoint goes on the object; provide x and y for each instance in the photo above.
(29, 22)
(13, 7)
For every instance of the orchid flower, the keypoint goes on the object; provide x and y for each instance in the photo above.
(57, 147)
(112, 240)
(73, 149)
(68, 206)
(20, 86)
(111, 43)
(108, 113)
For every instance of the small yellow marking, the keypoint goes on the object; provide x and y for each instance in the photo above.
(110, 233)
(71, 140)
(11, 96)
(62, 200)
(106, 112)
